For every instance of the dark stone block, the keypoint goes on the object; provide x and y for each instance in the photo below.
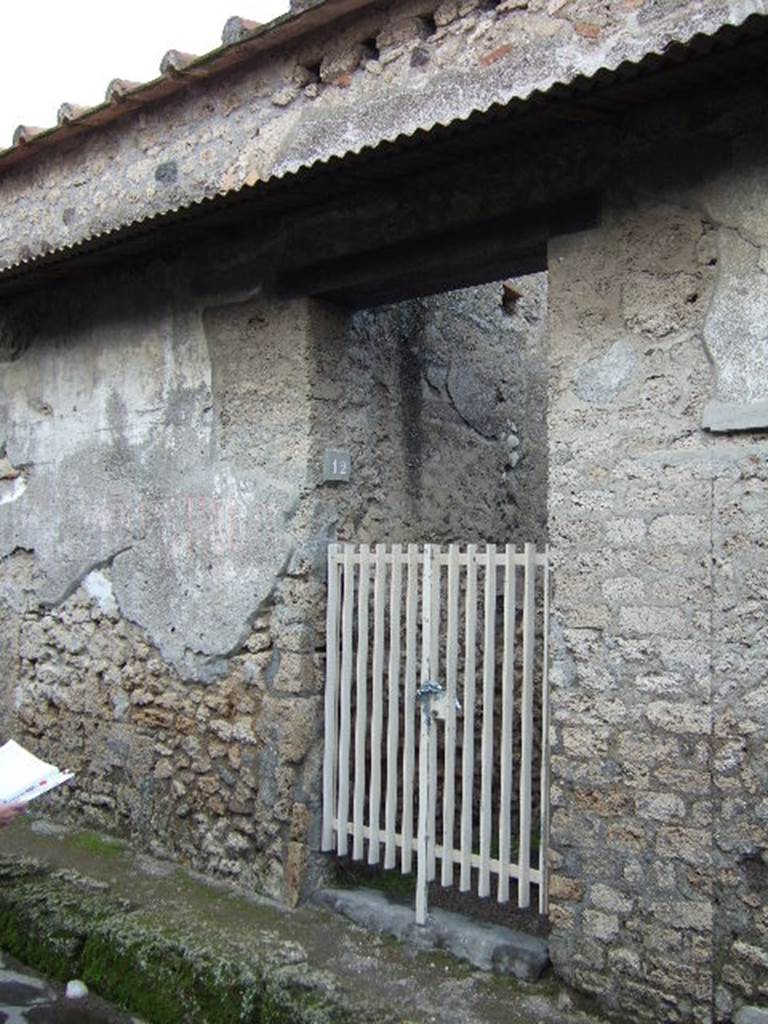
(167, 173)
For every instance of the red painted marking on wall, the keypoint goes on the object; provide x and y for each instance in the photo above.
(497, 54)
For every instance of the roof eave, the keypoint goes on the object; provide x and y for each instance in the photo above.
(313, 16)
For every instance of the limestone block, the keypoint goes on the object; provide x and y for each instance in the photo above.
(163, 769)
(751, 1015)
(625, 960)
(297, 674)
(563, 888)
(286, 95)
(686, 914)
(684, 780)
(300, 725)
(660, 806)
(626, 532)
(610, 900)
(681, 530)
(627, 834)
(403, 30)
(602, 926)
(683, 718)
(296, 860)
(653, 621)
(154, 718)
(446, 12)
(608, 802)
(754, 955)
(301, 819)
(341, 60)
(690, 845)
(601, 380)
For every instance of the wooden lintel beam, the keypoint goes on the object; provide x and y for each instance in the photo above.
(417, 285)
(453, 255)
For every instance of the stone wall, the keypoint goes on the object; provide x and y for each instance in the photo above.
(132, 391)
(659, 830)
(164, 524)
(379, 74)
(158, 639)
(740, 725)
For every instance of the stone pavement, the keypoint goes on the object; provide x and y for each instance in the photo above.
(177, 949)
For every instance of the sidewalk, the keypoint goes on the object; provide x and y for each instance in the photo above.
(175, 949)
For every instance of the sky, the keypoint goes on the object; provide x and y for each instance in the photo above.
(56, 51)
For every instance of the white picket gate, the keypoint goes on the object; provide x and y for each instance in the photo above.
(449, 616)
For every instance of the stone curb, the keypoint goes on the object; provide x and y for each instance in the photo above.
(67, 925)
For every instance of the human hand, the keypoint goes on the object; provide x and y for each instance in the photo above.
(10, 811)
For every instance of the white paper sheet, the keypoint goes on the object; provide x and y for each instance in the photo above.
(24, 776)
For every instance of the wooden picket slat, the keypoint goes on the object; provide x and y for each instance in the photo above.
(331, 702)
(468, 744)
(409, 705)
(434, 674)
(451, 665)
(507, 721)
(361, 709)
(422, 840)
(526, 729)
(393, 712)
(377, 698)
(486, 755)
(426, 786)
(545, 767)
(345, 697)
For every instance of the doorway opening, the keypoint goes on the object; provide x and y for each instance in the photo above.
(449, 425)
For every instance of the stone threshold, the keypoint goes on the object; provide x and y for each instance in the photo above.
(175, 948)
(489, 947)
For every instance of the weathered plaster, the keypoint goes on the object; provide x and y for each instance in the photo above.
(148, 448)
(734, 202)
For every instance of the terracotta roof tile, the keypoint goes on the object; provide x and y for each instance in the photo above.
(25, 132)
(243, 38)
(69, 112)
(119, 88)
(175, 61)
(236, 28)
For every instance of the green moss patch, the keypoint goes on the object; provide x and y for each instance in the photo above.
(45, 919)
(94, 842)
(167, 972)
(158, 979)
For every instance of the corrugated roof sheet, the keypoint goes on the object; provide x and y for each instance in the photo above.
(733, 49)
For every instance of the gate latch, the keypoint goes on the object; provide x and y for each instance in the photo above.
(433, 699)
